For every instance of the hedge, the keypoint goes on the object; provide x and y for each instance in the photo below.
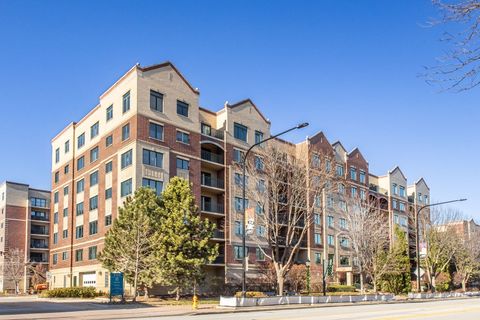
(340, 288)
(251, 294)
(75, 292)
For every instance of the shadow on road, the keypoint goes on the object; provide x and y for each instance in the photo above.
(46, 306)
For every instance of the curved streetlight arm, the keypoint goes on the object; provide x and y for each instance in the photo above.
(417, 238)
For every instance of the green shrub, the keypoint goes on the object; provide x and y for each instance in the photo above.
(75, 292)
(340, 288)
(251, 294)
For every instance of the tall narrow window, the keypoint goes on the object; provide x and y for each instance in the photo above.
(156, 101)
(109, 112)
(126, 132)
(258, 136)
(80, 185)
(80, 163)
(93, 203)
(126, 188)
(94, 178)
(94, 154)
(94, 130)
(81, 140)
(57, 155)
(126, 102)
(182, 108)
(67, 146)
(126, 159)
(109, 141)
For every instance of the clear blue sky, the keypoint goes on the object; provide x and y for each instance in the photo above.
(348, 67)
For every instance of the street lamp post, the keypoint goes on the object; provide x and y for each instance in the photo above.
(417, 238)
(307, 263)
(244, 235)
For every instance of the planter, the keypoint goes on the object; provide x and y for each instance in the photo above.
(290, 300)
(442, 295)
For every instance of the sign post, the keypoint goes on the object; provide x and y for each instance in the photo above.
(116, 285)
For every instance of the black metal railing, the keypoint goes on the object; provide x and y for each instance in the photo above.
(212, 157)
(214, 133)
(218, 234)
(212, 182)
(39, 245)
(39, 217)
(43, 231)
(219, 260)
(215, 208)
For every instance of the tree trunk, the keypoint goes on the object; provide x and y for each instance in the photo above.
(375, 285)
(177, 293)
(146, 293)
(433, 284)
(362, 289)
(280, 282)
(464, 285)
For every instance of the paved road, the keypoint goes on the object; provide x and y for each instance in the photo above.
(438, 310)
(32, 308)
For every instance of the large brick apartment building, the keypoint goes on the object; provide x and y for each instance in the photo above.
(24, 225)
(148, 127)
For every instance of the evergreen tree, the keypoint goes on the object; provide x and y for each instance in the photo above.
(182, 240)
(129, 244)
(397, 279)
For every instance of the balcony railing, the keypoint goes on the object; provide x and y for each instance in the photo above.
(215, 208)
(212, 157)
(214, 133)
(41, 231)
(212, 182)
(39, 218)
(218, 234)
(38, 259)
(219, 260)
(39, 245)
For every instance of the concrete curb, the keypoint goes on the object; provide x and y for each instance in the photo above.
(227, 310)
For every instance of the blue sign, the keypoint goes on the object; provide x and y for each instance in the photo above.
(116, 284)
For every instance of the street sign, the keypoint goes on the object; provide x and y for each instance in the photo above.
(116, 284)
(249, 221)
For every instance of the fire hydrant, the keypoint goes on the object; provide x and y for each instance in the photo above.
(195, 302)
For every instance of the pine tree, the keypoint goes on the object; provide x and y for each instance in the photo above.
(129, 244)
(183, 245)
(397, 279)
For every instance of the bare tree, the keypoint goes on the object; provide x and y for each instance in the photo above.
(467, 259)
(442, 242)
(14, 267)
(368, 231)
(39, 273)
(458, 69)
(282, 188)
(296, 277)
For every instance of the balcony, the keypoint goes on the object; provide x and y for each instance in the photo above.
(220, 260)
(38, 217)
(208, 181)
(39, 231)
(211, 156)
(215, 209)
(38, 259)
(213, 133)
(218, 235)
(38, 245)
